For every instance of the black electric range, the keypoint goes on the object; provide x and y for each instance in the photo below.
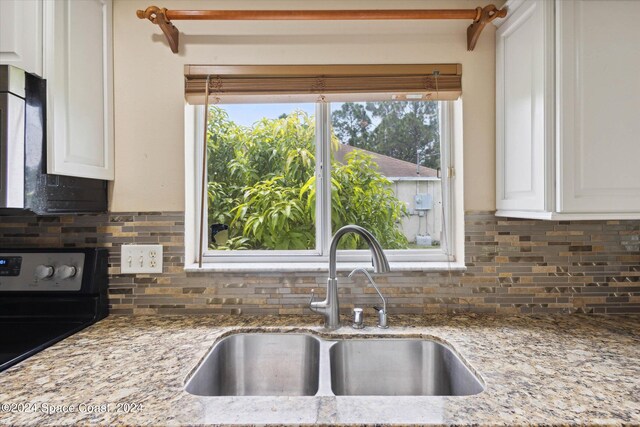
(47, 295)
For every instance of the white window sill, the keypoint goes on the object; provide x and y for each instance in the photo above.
(312, 267)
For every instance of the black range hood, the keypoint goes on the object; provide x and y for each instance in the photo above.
(32, 190)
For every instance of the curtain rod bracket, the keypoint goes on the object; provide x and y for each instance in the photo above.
(484, 16)
(161, 16)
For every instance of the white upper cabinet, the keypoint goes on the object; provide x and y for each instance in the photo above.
(521, 77)
(598, 64)
(567, 99)
(78, 69)
(21, 34)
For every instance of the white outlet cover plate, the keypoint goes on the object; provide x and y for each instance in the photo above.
(141, 259)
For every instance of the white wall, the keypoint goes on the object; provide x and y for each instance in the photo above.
(148, 82)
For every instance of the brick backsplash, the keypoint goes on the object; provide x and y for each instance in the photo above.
(513, 266)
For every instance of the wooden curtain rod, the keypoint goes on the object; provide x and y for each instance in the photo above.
(320, 15)
(481, 16)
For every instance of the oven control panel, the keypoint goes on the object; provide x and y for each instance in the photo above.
(35, 271)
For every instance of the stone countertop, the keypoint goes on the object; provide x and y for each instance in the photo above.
(551, 370)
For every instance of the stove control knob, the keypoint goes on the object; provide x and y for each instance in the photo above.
(44, 271)
(65, 272)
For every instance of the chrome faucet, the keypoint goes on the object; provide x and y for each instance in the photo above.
(329, 306)
(382, 312)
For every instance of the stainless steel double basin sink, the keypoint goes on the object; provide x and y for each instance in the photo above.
(295, 364)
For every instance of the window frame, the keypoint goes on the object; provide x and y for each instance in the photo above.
(317, 260)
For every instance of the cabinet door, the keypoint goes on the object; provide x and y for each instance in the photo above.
(598, 106)
(78, 69)
(21, 34)
(524, 102)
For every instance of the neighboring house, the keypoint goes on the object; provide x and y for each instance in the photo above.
(388, 166)
(408, 179)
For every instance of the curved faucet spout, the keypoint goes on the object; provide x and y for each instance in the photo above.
(330, 307)
(380, 263)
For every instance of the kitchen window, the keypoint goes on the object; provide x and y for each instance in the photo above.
(284, 173)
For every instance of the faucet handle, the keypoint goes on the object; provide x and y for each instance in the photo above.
(313, 296)
(316, 306)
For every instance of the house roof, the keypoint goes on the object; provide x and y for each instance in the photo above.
(388, 166)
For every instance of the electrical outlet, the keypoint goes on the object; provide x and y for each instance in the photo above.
(141, 259)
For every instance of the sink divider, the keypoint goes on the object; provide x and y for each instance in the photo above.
(324, 379)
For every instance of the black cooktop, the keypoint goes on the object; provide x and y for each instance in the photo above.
(53, 294)
(23, 339)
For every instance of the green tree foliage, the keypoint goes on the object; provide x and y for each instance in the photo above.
(262, 186)
(402, 130)
(352, 125)
(361, 195)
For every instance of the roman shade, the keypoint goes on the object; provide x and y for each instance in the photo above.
(310, 83)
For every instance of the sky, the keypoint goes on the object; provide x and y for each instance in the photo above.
(247, 114)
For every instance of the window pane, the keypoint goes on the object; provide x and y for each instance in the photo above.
(385, 161)
(261, 168)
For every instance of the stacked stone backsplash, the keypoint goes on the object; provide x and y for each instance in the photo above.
(513, 266)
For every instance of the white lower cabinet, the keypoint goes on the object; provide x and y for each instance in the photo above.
(568, 103)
